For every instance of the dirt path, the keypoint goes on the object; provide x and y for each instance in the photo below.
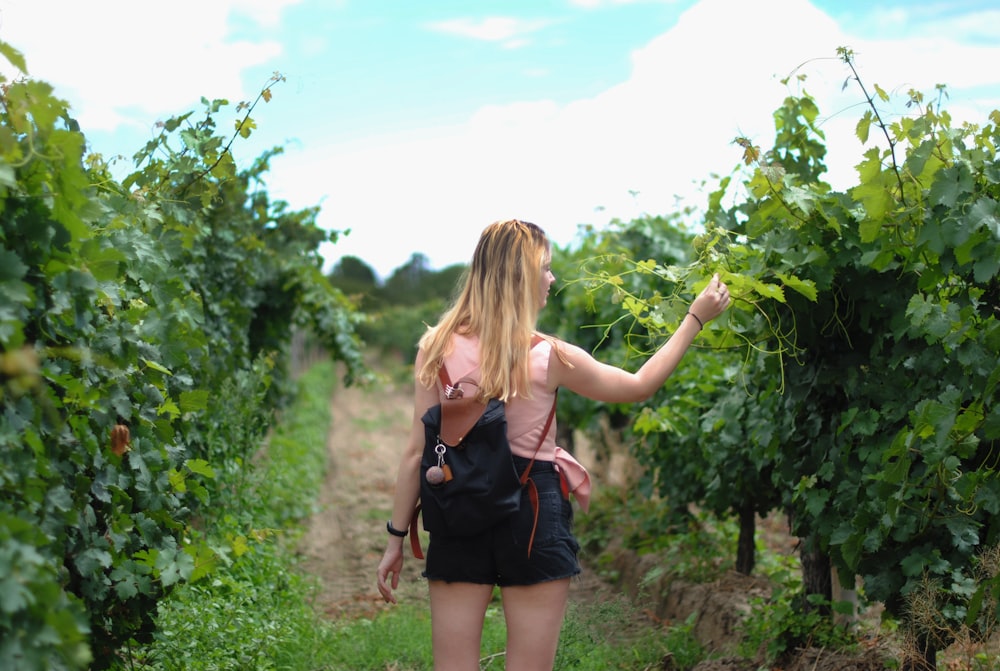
(346, 538)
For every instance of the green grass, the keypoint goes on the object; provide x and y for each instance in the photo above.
(400, 640)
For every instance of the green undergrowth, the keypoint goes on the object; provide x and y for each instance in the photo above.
(697, 547)
(255, 614)
(254, 610)
(591, 640)
(694, 547)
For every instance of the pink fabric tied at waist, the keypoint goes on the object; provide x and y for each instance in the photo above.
(576, 476)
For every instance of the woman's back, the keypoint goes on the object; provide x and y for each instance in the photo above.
(526, 417)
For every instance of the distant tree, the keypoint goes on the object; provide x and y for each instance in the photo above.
(408, 283)
(358, 281)
(354, 269)
(413, 297)
(443, 284)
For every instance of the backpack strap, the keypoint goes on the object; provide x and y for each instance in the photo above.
(541, 440)
(459, 413)
(415, 533)
(526, 480)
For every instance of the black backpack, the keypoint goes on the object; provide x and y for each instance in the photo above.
(468, 482)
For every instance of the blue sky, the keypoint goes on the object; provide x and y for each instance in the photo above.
(416, 123)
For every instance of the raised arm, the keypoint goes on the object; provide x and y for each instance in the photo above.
(584, 375)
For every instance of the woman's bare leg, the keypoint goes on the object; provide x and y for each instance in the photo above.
(534, 616)
(458, 610)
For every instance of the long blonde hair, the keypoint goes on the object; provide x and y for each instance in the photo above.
(499, 302)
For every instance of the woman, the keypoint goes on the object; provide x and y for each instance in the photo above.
(491, 326)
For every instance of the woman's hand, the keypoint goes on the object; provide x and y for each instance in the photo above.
(391, 565)
(711, 302)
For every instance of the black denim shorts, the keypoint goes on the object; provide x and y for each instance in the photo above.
(499, 556)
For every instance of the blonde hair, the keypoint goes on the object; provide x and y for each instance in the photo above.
(499, 302)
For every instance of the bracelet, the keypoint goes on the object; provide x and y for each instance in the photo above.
(394, 531)
(701, 324)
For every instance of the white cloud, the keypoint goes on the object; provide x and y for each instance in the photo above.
(150, 63)
(984, 26)
(513, 32)
(636, 147)
(931, 20)
(593, 4)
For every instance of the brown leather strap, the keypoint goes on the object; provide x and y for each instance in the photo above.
(458, 414)
(415, 534)
(526, 475)
(533, 498)
(541, 440)
(535, 339)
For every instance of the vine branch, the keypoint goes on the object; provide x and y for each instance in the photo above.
(265, 95)
(847, 55)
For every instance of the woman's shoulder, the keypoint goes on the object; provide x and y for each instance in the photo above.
(546, 339)
(556, 345)
(448, 341)
(462, 353)
(464, 341)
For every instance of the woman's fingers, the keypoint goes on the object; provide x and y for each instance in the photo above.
(385, 590)
(714, 299)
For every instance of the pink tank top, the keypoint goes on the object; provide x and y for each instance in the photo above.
(526, 416)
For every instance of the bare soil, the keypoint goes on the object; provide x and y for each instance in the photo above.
(345, 539)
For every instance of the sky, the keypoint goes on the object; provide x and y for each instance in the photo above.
(413, 124)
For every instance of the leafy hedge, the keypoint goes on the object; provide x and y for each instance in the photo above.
(867, 321)
(127, 310)
(257, 610)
